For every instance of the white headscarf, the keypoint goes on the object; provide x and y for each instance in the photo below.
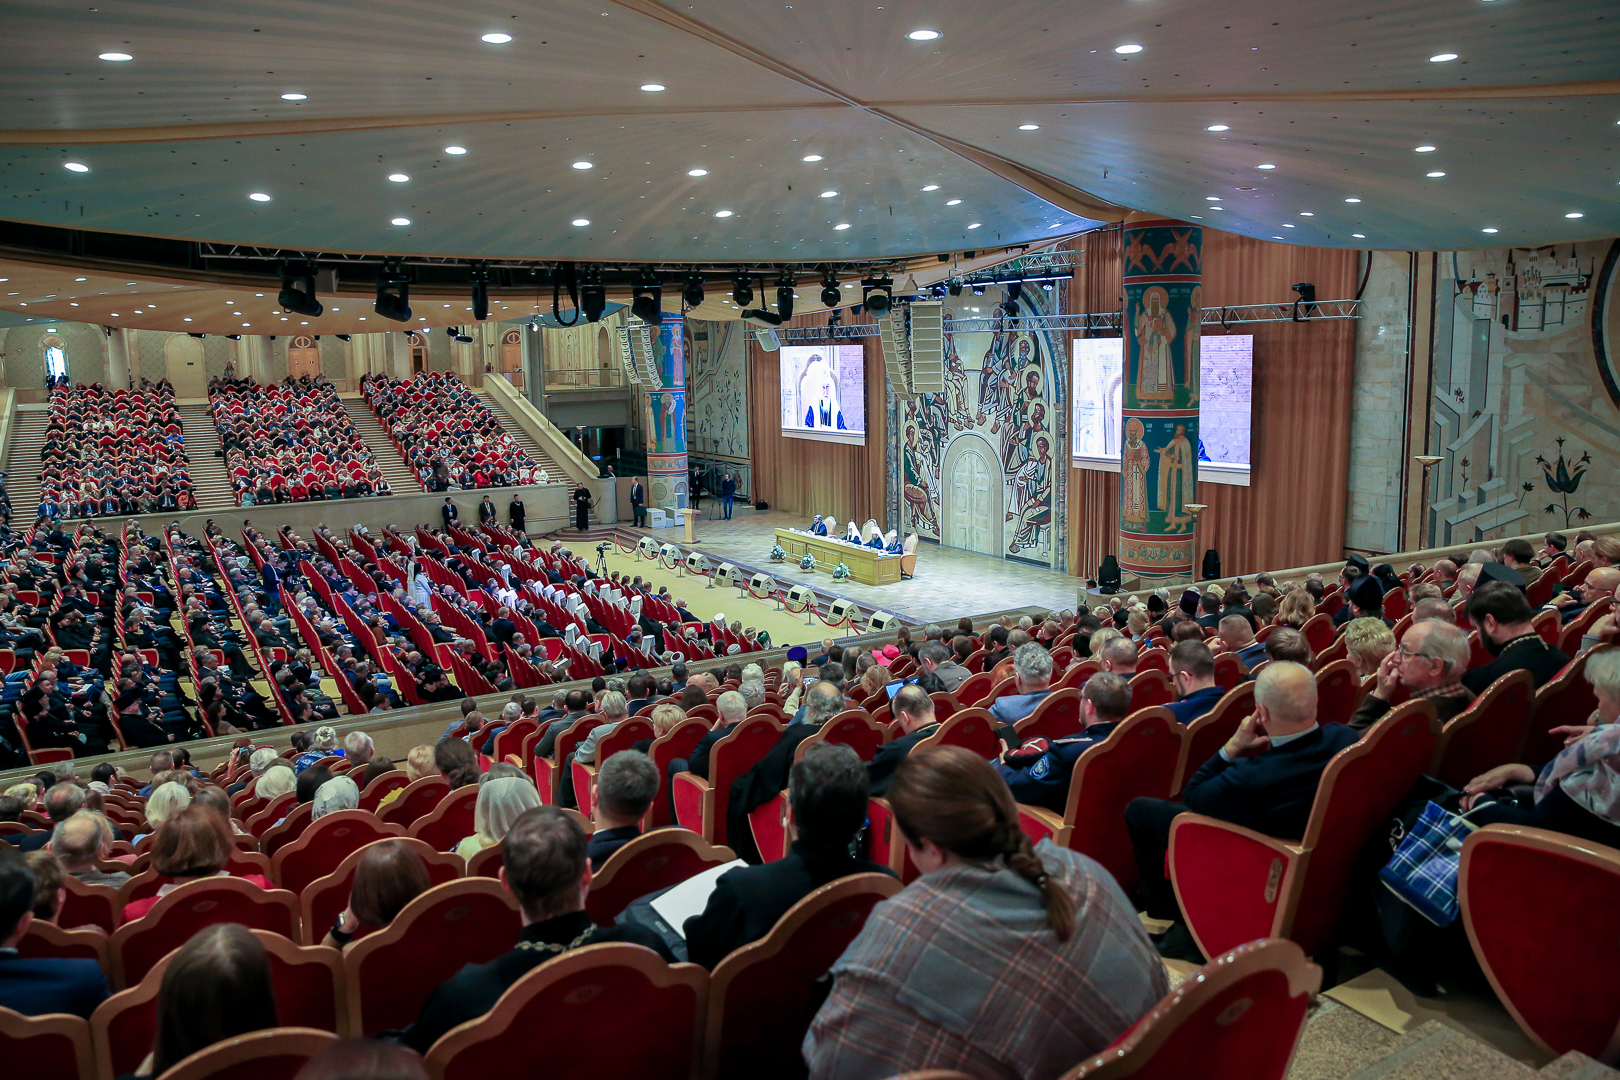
(338, 793)
(500, 802)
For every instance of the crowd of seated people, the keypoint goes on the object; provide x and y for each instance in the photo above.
(446, 434)
(113, 452)
(990, 924)
(291, 442)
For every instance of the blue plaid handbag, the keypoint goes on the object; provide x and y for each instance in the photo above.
(1423, 870)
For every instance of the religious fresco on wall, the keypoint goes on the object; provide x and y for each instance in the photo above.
(980, 461)
(1526, 390)
(717, 389)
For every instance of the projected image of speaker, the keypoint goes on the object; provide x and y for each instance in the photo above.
(842, 609)
(824, 392)
(882, 620)
(648, 547)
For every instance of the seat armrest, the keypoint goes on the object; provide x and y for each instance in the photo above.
(1040, 824)
(693, 797)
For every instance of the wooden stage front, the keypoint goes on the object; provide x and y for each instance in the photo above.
(866, 565)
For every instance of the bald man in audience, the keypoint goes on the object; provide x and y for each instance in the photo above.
(1467, 579)
(1597, 588)
(1119, 656)
(915, 711)
(1429, 663)
(79, 841)
(1434, 608)
(1264, 778)
(1445, 571)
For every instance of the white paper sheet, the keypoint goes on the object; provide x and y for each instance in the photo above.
(690, 897)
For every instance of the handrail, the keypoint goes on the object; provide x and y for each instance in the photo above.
(522, 412)
(8, 412)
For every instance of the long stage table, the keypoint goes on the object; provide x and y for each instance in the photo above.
(866, 565)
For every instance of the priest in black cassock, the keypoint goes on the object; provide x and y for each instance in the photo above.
(582, 508)
(515, 514)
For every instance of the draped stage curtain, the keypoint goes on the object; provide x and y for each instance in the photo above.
(802, 476)
(1294, 512)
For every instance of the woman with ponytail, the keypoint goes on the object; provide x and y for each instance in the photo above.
(1004, 960)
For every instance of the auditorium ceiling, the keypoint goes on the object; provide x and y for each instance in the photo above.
(823, 131)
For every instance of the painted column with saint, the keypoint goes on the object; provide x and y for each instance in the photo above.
(666, 417)
(1159, 458)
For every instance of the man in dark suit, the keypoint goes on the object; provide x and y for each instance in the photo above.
(1042, 778)
(625, 787)
(1264, 778)
(62, 801)
(1429, 663)
(449, 513)
(641, 692)
(638, 502)
(1192, 677)
(1503, 617)
(38, 987)
(487, 512)
(915, 710)
(827, 800)
(545, 867)
(515, 514)
(502, 629)
(769, 776)
(819, 526)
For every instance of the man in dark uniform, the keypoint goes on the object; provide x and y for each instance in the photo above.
(515, 514)
(487, 512)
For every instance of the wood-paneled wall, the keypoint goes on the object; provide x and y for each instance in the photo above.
(806, 477)
(1294, 512)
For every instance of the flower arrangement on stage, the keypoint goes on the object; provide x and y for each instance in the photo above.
(808, 562)
(840, 572)
(778, 553)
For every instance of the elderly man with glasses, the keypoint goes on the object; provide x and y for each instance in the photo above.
(1429, 663)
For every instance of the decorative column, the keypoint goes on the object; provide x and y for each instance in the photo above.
(118, 354)
(1159, 460)
(666, 418)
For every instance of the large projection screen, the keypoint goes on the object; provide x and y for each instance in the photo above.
(824, 392)
(1226, 404)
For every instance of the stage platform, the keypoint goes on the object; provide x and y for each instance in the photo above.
(949, 584)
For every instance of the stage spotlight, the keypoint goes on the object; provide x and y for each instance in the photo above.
(199, 337)
(593, 295)
(978, 290)
(647, 303)
(955, 287)
(456, 335)
(480, 290)
(298, 290)
(1015, 291)
(876, 295)
(234, 337)
(394, 291)
(692, 291)
(830, 294)
(1010, 308)
(742, 293)
(343, 337)
(784, 295)
(1307, 296)
(534, 328)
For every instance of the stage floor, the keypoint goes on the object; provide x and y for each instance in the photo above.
(949, 584)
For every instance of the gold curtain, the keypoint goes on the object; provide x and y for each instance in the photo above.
(802, 476)
(1293, 513)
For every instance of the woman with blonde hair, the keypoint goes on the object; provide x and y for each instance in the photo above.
(1367, 641)
(1296, 609)
(501, 801)
(418, 763)
(665, 718)
(1003, 959)
(166, 800)
(876, 678)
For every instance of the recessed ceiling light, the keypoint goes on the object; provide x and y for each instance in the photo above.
(1217, 127)
(1574, 214)
(584, 165)
(828, 194)
(1306, 213)
(1212, 198)
(1352, 200)
(1423, 149)
(953, 202)
(1441, 58)
(114, 314)
(1029, 127)
(1288, 225)
(1195, 217)
(75, 166)
(652, 87)
(811, 157)
(1126, 50)
(722, 213)
(930, 187)
(841, 226)
(75, 279)
(580, 222)
(1434, 175)
(400, 221)
(496, 39)
(1359, 235)
(258, 196)
(697, 172)
(456, 150)
(247, 324)
(116, 57)
(1274, 237)
(1266, 166)
(1490, 230)
(1217, 208)
(975, 225)
(923, 35)
(294, 97)
(186, 319)
(398, 177)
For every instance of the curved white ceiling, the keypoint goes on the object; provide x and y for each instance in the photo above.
(1337, 98)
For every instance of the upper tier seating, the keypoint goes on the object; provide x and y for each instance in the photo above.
(291, 443)
(110, 452)
(446, 435)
